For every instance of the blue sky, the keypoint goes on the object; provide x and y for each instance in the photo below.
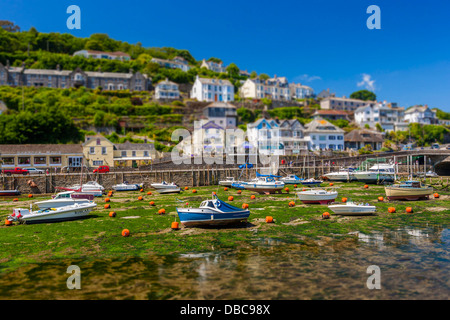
(321, 43)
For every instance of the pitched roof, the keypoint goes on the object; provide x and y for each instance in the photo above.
(214, 81)
(219, 104)
(321, 125)
(134, 146)
(332, 112)
(363, 135)
(9, 149)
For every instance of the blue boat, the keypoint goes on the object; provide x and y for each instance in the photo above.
(311, 182)
(238, 185)
(212, 212)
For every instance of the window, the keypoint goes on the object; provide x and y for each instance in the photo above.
(8, 161)
(340, 137)
(91, 150)
(145, 153)
(40, 160)
(98, 142)
(24, 161)
(322, 138)
(332, 138)
(97, 163)
(124, 153)
(133, 153)
(103, 150)
(55, 160)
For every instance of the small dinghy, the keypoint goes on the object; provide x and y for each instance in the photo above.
(164, 185)
(227, 182)
(320, 196)
(212, 212)
(351, 208)
(291, 179)
(311, 182)
(127, 186)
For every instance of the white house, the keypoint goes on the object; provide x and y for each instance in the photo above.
(421, 114)
(389, 116)
(205, 89)
(221, 113)
(342, 103)
(299, 91)
(271, 89)
(213, 66)
(167, 90)
(322, 135)
(103, 55)
(175, 63)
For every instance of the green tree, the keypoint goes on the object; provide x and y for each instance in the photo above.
(365, 95)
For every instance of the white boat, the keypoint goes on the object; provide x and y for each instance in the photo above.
(169, 190)
(352, 208)
(64, 199)
(88, 186)
(164, 185)
(72, 212)
(127, 186)
(320, 196)
(227, 182)
(264, 185)
(431, 174)
(341, 175)
(291, 179)
(382, 172)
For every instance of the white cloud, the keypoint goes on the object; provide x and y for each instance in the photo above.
(367, 82)
(306, 78)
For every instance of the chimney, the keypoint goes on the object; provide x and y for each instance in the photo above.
(58, 67)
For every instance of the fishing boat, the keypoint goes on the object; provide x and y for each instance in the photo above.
(408, 190)
(341, 175)
(311, 182)
(227, 182)
(212, 212)
(382, 172)
(264, 185)
(127, 186)
(63, 199)
(9, 193)
(320, 196)
(352, 208)
(71, 212)
(291, 179)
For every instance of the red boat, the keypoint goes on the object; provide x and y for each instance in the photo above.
(9, 193)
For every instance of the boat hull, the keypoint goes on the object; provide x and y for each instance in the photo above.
(61, 214)
(48, 204)
(311, 198)
(9, 193)
(170, 190)
(395, 193)
(202, 217)
(349, 210)
(340, 177)
(263, 189)
(372, 178)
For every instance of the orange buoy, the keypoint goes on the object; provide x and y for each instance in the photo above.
(194, 191)
(253, 197)
(366, 186)
(344, 200)
(409, 210)
(225, 189)
(30, 196)
(16, 199)
(162, 211)
(269, 219)
(175, 225)
(140, 198)
(186, 188)
(8, 223)
(286, 189)
(292, 204)
(326, 215)
(380, 199)
(107, 200)
(142, 190)
(230, 198)
(149, 193)
(152, 203)
(107, 206)
(295, 186)
(239, 192)
(436, 195)
(112, 214)
(214, 193)
(304, 189)
(391, 210)
(125, 233)
(331, 184)
(245, 206)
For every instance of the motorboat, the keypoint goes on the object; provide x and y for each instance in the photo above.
(71, 212)
(164, 185)
(311, 182)
(352, 208)
(88, 186)
(168, 190)
(264, 185)
(127, 186)
(408, 190)
(9, 193)
(320, 196)
(382, 172)
(212, 212)
(341, 175)
(238, 185)
(63, 199)
(227, 182)
(291, 179)
(431, 174)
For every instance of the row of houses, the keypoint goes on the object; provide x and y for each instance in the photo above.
(95, 151)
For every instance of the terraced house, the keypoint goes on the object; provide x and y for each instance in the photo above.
(166, 90)
(213, 66)
(274, 89)
(205, 89)
(21, 76)
(323, 135)
(175, 63)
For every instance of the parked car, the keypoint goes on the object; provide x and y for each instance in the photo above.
(15, 171)
(435, 146)
(102, 169)
(35, 171)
